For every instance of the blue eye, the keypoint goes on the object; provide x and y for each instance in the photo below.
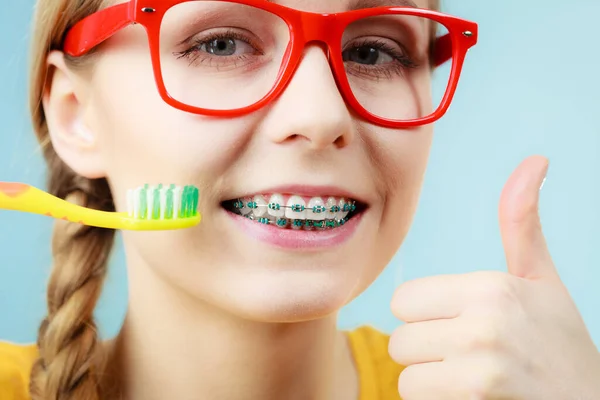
(220, 47)
(367, 55)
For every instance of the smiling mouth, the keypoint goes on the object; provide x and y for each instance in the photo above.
(296, 212)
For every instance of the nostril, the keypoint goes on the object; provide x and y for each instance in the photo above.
(340, 141)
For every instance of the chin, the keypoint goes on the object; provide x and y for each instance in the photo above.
(249, 280)
(286, 297)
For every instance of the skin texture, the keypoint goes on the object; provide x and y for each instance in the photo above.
(245, 320)
(214, 290)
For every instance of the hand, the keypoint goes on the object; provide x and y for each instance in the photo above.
(493, 335)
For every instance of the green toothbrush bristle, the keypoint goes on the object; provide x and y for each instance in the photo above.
(156, 203)
(159, 202)
(185, 202)
(182, 202)
(188, 202)
(143, 203)
(191, 203)
(169, 203)
(196, 198)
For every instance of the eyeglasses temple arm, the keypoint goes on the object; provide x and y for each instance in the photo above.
(442, 50)
(96, 28)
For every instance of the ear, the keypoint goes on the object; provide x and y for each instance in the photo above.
(64, 102)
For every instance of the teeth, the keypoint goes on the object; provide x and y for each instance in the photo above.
(343, 210)
(276, 204)
(242, 205)
(282, 223)
(329, 205)
(316, 209)
(296, 213)
(308, 225)
(261, 206)
(297, 224)
(296, 208)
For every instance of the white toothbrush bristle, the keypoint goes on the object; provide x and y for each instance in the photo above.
(176, 201)
(136, 203)
(149, 202)
(163, 201)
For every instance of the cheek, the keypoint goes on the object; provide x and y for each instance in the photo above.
(145, 140)
(404, 156)
(402, 161)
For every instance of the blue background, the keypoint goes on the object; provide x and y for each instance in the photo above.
(529, 87)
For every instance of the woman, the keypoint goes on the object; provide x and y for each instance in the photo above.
(309, 145)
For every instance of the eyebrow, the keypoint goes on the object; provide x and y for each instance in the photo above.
(360, 4)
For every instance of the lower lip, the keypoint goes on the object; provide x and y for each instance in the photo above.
(293, 239)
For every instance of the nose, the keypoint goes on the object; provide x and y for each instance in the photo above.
(311, 109)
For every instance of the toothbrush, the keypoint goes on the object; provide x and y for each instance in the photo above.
(149, 208)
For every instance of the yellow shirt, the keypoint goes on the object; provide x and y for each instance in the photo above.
(378, 373)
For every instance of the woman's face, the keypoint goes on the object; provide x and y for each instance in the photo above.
(307, 147)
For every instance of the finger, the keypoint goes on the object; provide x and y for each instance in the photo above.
(477, 376)
(442, 296)
(436, 297)
(431, 381)
(424, 342)
(525, 248)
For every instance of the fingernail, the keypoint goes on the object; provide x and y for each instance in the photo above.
(545, 175)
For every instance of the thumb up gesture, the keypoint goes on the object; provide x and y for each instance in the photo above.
(491, 335)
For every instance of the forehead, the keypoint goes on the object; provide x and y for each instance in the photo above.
(330, 6)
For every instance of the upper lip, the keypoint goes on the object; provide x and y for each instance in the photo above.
(309, 191)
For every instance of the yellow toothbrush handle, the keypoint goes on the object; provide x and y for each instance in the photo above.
(26, 198)
(22, 197)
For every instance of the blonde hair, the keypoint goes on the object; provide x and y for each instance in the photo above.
(69, 347)
(70, 354)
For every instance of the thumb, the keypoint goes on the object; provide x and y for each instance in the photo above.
(525, 247)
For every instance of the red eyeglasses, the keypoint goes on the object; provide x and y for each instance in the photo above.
(231, 57)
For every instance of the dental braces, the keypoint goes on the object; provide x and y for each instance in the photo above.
(253, 205)
(299, 223)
